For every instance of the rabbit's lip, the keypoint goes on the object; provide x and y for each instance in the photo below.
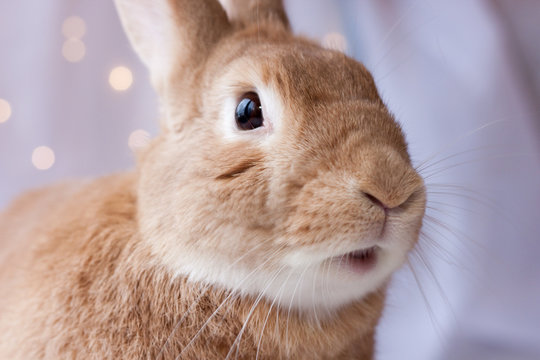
(359, 261)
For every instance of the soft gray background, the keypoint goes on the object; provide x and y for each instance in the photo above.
(461, 76)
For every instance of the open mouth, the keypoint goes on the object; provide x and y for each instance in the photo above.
(360, 260)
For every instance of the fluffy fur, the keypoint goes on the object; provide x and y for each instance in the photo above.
(223, 243)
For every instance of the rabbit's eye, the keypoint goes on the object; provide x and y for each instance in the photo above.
(249, 112)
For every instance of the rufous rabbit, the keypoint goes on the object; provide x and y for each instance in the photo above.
(263, 222)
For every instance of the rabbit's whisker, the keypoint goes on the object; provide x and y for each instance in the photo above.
(435, 247)
(313, 284)
(459, 191)
(290, 307)
(456, 140)
(433, 225)
(277, 333)
(425, 262)
(280, 292)
(327, 288)
(231, 294)
(477, 197)
(460, 236)
(426, 165)
(432, 317)
(238, 339)
(452, 213)
(392, 29)
(399, 39)
(441, 170)
(457, 234)
(200, 296)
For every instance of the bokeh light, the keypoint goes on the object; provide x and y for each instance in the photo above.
(73, 50)
(335, 41)
(138, 139)
(74, 27)
(43, 157)
(5, 110)
(120, 78)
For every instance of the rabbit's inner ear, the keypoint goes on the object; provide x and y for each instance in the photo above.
(172, 34)
(247, 12)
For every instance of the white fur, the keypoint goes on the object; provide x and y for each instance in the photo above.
(301, 281)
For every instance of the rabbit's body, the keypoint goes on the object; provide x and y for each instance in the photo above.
(89, 288)
(265, 220)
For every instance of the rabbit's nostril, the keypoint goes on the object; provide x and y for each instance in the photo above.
(376, 201)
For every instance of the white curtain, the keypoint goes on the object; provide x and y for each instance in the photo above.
(461, 77)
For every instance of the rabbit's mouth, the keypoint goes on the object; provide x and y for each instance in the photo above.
(359, 260)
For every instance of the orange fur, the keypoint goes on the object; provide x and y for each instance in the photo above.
(89, 288)
(108, 269)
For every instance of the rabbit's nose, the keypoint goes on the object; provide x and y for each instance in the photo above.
(387, 180)
(375, 201)
(386, 202)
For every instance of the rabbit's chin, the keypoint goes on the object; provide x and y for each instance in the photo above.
(315, 288)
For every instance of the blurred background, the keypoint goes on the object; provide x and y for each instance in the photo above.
(463, 79)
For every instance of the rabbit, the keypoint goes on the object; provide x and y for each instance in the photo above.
(263, 222)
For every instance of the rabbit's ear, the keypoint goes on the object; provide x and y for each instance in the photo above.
(249, 12)
(172, 34)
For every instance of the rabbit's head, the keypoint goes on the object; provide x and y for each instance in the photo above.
(279, 171)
